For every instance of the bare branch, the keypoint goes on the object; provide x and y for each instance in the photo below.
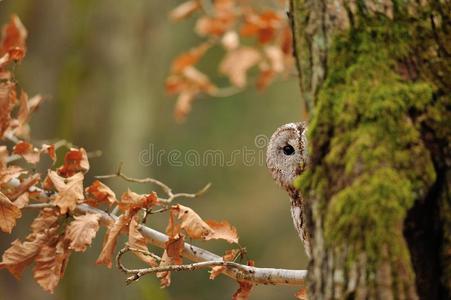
(191, 252)
(166, 189)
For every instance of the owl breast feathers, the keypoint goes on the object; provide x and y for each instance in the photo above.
(286, 158)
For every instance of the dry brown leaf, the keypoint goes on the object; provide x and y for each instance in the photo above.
(264, 78)
(230, 255)
(8, 173)
(172, 256)
(243, 291)
(237, 62)
(263, 26)
(46, 219)
(100, 193)
(183, 105)
(192, 223)
(301, 294)
(217, 25)
(230, 40)
(50, 265)
(28, 152)
(22, 200)
(49, 150)
(27, 106)
(189, 59)
(7, 102)
(75, 160)
(276, 58)
(9, 213)
(81, 231)
(13, 35)
(131, 201)
(105, 257)
(137, 241)
(222, 230)
(184, 10)
(21, 254)
(70, 190)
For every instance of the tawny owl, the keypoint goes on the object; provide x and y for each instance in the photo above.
(286, 158)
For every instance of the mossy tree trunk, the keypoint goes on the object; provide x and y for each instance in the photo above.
(376, 76)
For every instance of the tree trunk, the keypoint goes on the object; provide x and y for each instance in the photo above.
(376, 77)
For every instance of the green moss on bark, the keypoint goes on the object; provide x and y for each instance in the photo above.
(369, 163)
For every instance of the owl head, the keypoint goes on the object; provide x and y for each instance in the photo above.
(286, 155)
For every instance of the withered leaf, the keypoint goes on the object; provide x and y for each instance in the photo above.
(190, 58)
(230, 255)
(81, 231)
(21, 254)
(100, 193)
(28, 152)
(172, 256)
(50, 265)
(137, 241)
(46, 219)
(301, 294)
(131, 201)
(222, 230)
(243, 291)
(13, 38)
(237, 62)
(184, 10)
(50, 150)
(22, 200)
(75, 160)
(105, 257)
(70, 190)
(9, 213)
(192, 223)
(7, 102)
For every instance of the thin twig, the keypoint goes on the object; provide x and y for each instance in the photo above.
(166, 189)
(191, 252)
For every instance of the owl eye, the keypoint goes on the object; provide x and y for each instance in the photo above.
(288, 150)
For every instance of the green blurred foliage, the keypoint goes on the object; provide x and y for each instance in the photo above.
(102, 65)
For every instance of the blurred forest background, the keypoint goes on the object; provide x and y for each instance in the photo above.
(101, 66)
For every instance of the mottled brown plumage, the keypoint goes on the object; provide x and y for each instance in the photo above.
(286, 158)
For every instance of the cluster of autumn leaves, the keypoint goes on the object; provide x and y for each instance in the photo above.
(250, 39)
(60, 227)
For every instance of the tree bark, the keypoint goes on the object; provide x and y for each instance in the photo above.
(376, 75)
